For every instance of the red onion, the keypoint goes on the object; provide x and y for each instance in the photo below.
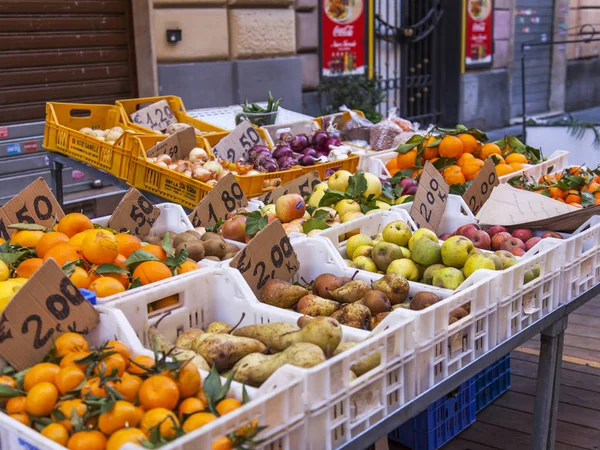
(319, 140)
(256, 150)
(282, 151)
(308, 160)
(310, 151)
(333, 142)
(285, 162)
(299, 143)
(330, 172)
(405, 183)
(286, 136)
(411, 190)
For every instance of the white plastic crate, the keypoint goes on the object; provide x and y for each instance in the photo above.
(456, 214)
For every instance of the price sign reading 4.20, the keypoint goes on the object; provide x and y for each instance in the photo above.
(134, 213)
(269, 255)
(225, 197)
(430, 200)
(236, 144)
(157, 116)
(481, 188)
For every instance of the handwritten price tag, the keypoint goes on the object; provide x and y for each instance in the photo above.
(34, 204)
(157, 116)
(481, 188)
(47, 306)
(134, 213)
(269, 255)
(225, 197)
(177, 146)
(303, 186)
(236, 144)
(430, 200)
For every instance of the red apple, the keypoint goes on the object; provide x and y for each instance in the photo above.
(481, 240)
(552, 234)
(492, 231)
(235, 229)
(271, 217)
(499, 238)
(518, 251)
(444, 236)
(523, 233)
(531, 242)
(511, 244)
(470, 232)
(289, 207)
(461, 230)
(236, 212)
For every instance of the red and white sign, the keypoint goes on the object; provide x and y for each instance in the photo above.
(479, 29)
(30, 146)
(343, 37)
(3, 132)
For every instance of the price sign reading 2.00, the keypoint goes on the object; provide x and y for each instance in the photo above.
(430, 200)
(236, 144)
(481, 188)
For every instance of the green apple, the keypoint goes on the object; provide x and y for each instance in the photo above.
(351, 215)
(426, 252)
(397, 232)
(384, 253)
(339, 180)
(430, 273)
(456, 250)
(357, 241)
(373, 185)
(316, 197)
(404, 267)
(268, 209)
(476, 262)
(403, 199)
(383, 205)
(448, 278)
(332, 218)
(363, 250)
(322, 186)
(496, 259)
(421, 232)
(347, 205)
(505, 257)
(405, 252)
(365, 263)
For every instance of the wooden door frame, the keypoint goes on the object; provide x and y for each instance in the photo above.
(146, 74)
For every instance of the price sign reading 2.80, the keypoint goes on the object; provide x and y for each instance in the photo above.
(430, 200)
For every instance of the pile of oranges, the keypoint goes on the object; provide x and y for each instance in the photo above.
(464, 156)
(576, 186)
(86, 399)
(93, 258)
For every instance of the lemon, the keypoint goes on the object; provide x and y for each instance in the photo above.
(9, 288)
(4, 272)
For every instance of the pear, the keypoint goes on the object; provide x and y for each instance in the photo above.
(224, 350)
(218, 327)
(185, 340)
(161, 343)
(325, 283)
(351, 292)
(456, 314)
(423, 300)
(355, 315)
(376, 320)
(303, 321)
(277, 336)
(377, 302)
(394, 286)
(281, 293)
(313, 305)
(403, 305)
(362, 366)
(384, 253)
(255, 368)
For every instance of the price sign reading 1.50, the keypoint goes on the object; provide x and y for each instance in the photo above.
(134, 213)
(430, 200)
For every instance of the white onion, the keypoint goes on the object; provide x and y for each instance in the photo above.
(198, 154)
(214, 167)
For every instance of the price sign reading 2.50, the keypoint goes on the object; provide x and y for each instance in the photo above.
(430, 200)
(236, 144)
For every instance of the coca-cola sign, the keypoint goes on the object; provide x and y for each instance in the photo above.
(345, 31)
(478, 33)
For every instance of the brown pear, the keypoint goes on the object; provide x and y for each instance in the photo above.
(224, 350)
(355, 315)
(351, 292)
(362, 366)
(185, 340)
(313, 305)
(376, 320)
(423, 300)
(394, 286)
(303, 321)
(218, 327)
(281, 293)
(377, 302)
(325, 283)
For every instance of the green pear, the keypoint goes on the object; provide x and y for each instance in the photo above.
(421, 232)
(430, 272)
(362, 366)
(448, 278)
(426, 252)
(384, 253)
(476, 262)
(397, 232)
(456, 250)
(355, 242)
(405, 267)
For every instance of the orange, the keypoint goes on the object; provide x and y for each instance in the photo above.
(228, 405)
(141, 360)
(406, 160)
(576, 205)
(120, 261)
(198, 420)
(165, 302)
(125, 436)
(108, 364)
(92, 387)
(120, 348)
(556, 192)
(28, 267)
(67, 407)
(202, 396)
(2, 241)
(100, 247)
(190, 405)
(155, 250)
(503, 169)
(21, 417)
(451, 147)
(489, 149)
(454, 175)
(464, 158)
(63, 253)
(74, 223)
(471, 168)
(127, 243)
(546, 179)
(77, 240)
(68, 378)
(106, 286)
(72, 359)
(592, 187)
(575, 170)
(57, 433)
(573, 196)
(41, 399)
(122, 278)
(517, 166)
(128, 386)
(496, 159)
(39, 373)
(516, 158)
(430, 152)
(188, 380)
(17, 404)
(68, 343)
(48, 241)
(470, 143)
(80, 278)
(392, 165)
(123, 414)
(159, 391)
(223, 443)
(26, 238)
(5, 380)
(187, 266)
(151, 272)
(159, 416)
(87, 440)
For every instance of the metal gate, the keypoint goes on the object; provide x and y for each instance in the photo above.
(533, 22)
(407, 56)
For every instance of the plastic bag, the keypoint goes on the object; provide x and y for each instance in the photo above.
(384, 132)
(358, 128)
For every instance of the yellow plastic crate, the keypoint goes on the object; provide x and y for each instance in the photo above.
(346, 117)
(350, 164)
(62, 135)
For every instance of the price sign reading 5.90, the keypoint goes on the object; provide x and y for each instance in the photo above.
(481, 188)
(236, 144)
(430, 200)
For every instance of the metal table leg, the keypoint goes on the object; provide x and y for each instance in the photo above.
(548, 386)
(56, 178)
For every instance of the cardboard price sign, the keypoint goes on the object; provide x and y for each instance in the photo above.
(236, 144)
(34, 204)
(269, 255)
(303, 186)
(225, 197)
(177, 146)
(481, 188)
(307, 127)
(430, 200)
(157, 116)
(47, 306)
(134, 213)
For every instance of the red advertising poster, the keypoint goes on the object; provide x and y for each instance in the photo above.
(343, 37)
(479, 29)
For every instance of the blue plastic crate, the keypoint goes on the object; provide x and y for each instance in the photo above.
(90, 296)
(442, 420)
(492, 382)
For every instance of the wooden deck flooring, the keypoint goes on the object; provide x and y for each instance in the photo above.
(507, 423)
